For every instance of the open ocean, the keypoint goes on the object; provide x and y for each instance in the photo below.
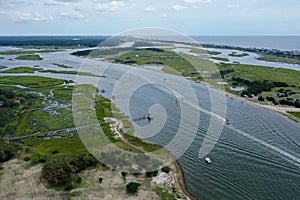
(268, 42)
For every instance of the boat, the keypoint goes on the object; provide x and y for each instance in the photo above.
(208, 160)
(227, 122)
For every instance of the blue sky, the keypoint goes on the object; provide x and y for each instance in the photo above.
(110, 17)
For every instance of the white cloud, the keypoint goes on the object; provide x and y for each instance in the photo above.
(23, 17)
(232, 5)
(198, 1)
(150, 8)
(75, 16)
(15, 3)
(110, 6)
(67, 1)
(60, 2)
(178, 7)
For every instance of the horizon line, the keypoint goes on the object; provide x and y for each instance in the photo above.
(191, 35)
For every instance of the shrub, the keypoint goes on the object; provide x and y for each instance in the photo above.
(26, 158)
(7, 151)
(165, 169)
(151, 173)
(132, 187)
(260, 98)
(100, 180)
(69, 187)
(60, 170)
(124, 174)
(78, 179)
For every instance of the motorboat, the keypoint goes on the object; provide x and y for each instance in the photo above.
(208, 160)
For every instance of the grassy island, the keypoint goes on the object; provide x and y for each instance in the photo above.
(29, 57)
(280, 59)
(235, 54)
(21, 70)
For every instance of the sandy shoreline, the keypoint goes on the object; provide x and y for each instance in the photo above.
(180, 180)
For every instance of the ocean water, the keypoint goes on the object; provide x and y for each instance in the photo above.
(268, 42)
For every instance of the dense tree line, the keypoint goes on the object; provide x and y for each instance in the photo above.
(9, 104)
(61, 170)
(90, 41)
(257, 87)
(7, 151)
(290, 102)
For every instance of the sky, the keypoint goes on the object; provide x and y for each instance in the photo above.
(111, 17)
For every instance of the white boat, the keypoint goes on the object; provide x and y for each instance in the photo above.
(208, 160)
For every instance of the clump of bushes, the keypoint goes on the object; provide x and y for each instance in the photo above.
(61, 170)
(132, 187)
(165, 169)
(7, 151)
(260, 98)
(257, 87)
(151, 173)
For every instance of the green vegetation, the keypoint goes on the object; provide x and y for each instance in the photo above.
(29, 57)
(7, 151)
(257, 73)
(257, 87)
(104, 108)
(2, 67)
(42, 120)
(96, 53)
(166, 193)
(100, 180)
(151, 174)
(64, 158)
(203, 51)
(132, 187)
(21, 70)
(281, 59)
(124, 174)
(69, 72)
(11, 105)
(38, 148)
(157, 57)
(235, 54)
(32, 81)
(62, 65)
(221, 59)
(165, 169)
(59, 170)
(295, 116)
(277, 86)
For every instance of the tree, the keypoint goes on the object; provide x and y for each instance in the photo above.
(132, 187)
(151, 174)
(124, 174)
(260, 98)
(100, 180)
(165, 169)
